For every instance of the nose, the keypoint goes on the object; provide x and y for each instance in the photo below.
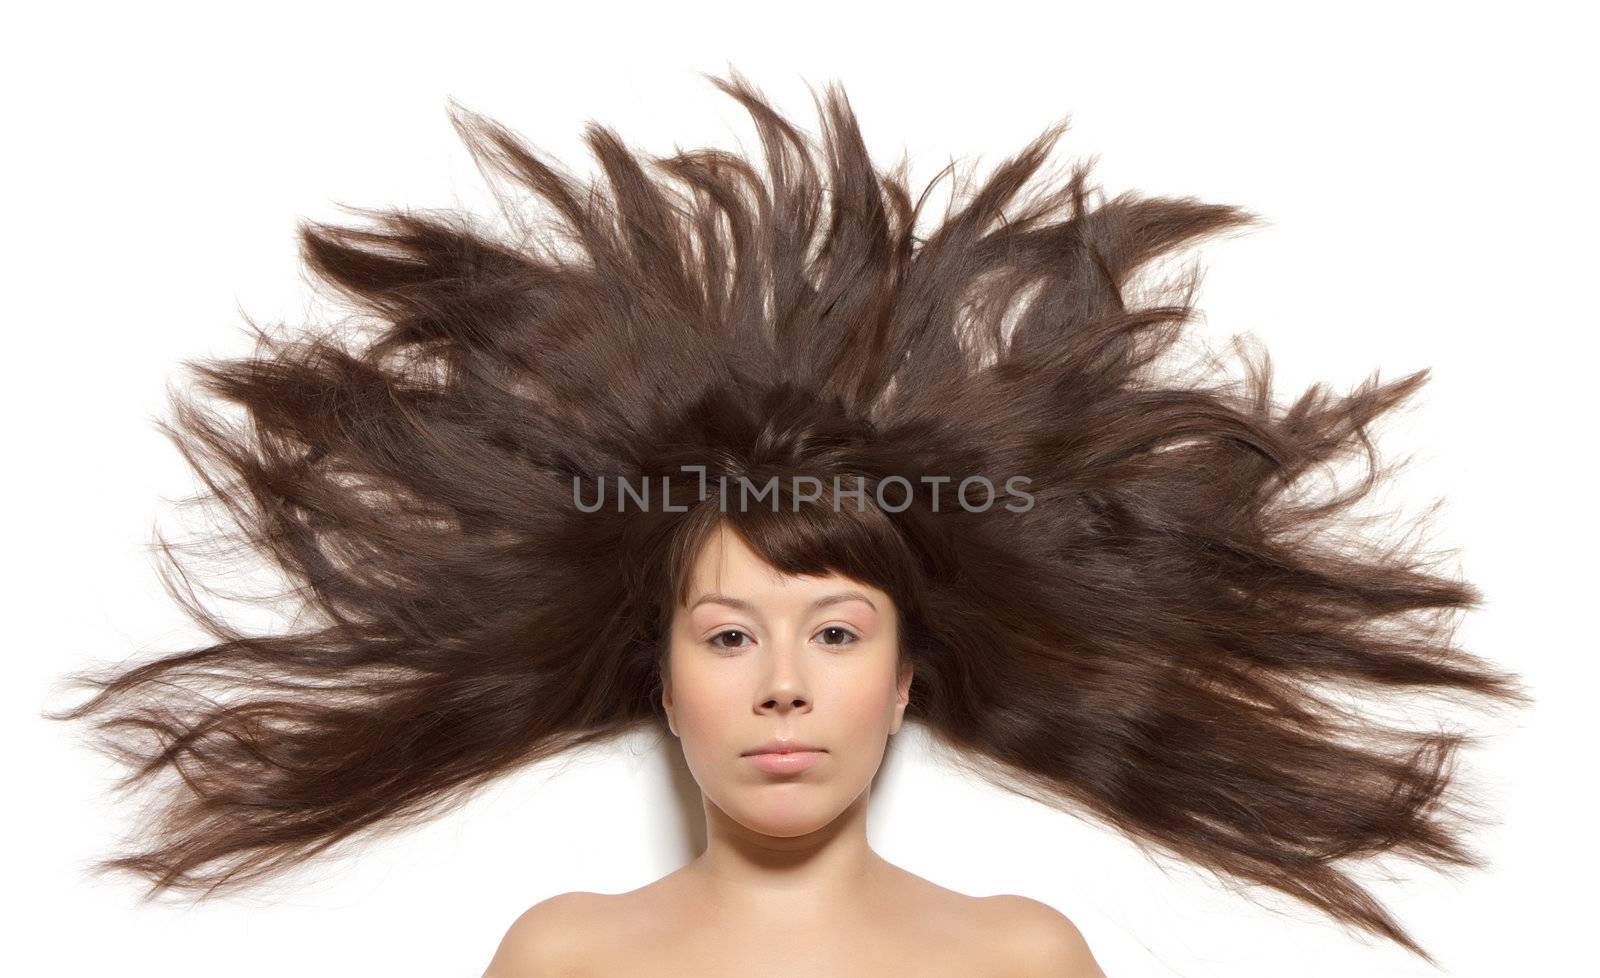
(785, 701)
(783, 686)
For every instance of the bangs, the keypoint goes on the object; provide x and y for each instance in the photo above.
(858, 541)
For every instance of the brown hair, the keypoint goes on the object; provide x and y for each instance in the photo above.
(1157, 640)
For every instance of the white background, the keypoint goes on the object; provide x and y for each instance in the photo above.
(1428, 174)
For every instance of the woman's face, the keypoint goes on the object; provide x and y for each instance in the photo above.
(758, 656)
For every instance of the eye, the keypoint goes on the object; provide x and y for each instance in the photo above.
(726, 631)
(840, 629)
(843, 635)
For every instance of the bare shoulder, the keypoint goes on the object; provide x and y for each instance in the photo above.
(1040, 940)
(548, 939)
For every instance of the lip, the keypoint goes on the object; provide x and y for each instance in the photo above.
(785, 762)
(784, 756)
(781, 747)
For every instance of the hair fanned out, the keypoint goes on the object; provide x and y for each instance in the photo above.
(1159, 640)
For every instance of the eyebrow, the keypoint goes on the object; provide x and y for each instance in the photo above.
(839, 597)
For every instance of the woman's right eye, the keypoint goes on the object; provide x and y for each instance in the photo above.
(725, 632)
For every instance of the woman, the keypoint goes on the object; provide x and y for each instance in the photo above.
(506, 498)
(784, 690)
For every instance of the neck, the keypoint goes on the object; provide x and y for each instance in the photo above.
(813, 876)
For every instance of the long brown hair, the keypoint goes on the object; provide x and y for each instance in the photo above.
(1159, 638)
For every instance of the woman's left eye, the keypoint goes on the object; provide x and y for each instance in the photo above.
(840, 629)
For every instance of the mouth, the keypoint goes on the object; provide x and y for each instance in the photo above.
(783, 747)
(786, 761)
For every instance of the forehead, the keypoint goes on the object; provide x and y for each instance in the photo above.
(727, 566)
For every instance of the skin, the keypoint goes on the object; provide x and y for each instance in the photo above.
(789, 847)
(787, 884)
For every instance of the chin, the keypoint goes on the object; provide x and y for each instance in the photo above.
(784, 826)
(785, 811)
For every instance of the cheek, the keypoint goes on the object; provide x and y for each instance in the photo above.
(854, 701)
(866, 703)
(713, 701)
(702, 700)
